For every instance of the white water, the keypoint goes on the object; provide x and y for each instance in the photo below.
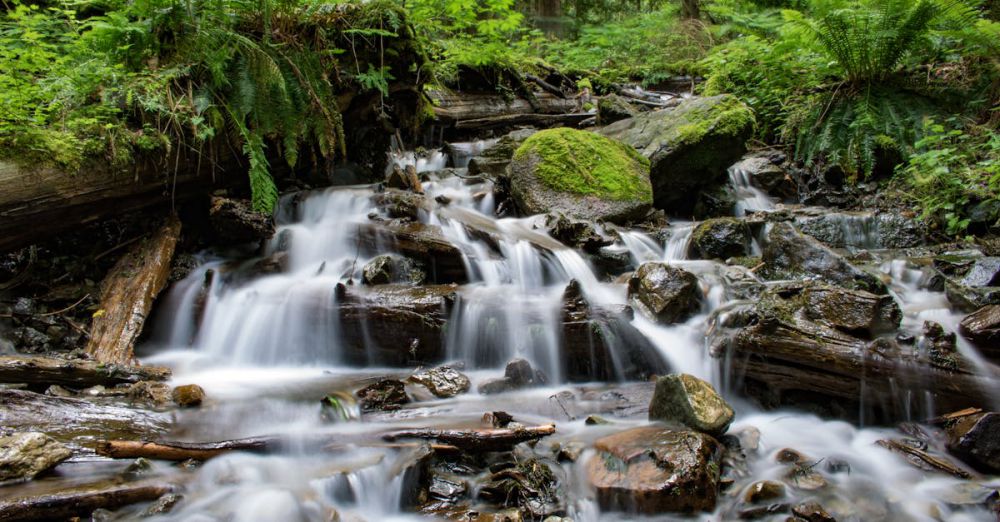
(749, 198)
(265, 347)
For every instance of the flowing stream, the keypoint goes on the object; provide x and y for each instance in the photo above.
(267, 344)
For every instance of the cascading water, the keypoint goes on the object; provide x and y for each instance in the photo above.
(265, 342)
(749, 198)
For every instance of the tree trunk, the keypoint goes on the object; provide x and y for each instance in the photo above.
(690, 9)
(61, 506)
(128, 293)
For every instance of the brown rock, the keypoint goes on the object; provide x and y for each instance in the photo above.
(188, 395)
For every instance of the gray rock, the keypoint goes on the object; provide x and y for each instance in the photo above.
(664, 293)
(612, 108)
(388, 269)
(789, 254)
(492, 163)
(692, 402)
(234, 222)
(24, 455)
(855, 312)
(976, 440)
(720, 238)
(443, 381)
(982, 327)
(985, 271)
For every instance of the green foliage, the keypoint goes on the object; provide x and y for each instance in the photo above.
(952, 172)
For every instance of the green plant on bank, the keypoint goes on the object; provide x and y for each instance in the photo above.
(952, 172)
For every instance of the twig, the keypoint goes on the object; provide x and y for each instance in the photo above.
(68, 308)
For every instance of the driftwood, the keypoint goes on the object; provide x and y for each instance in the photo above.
(61, 506)
(923, 460)
(45, 371)
(128, 292)
(508, 120)
(181, 451)
(477, 440)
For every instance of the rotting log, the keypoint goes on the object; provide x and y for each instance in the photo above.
(45, 371)
(128, 292)
(453, 107)
(477, 440)
(181, 451)
(509, 120)
(65, 505)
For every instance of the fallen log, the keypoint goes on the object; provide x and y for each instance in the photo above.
(181, 451)
(508, 120)
(46, 371)
(66, 418)
(477, 440)
(128, 292)
(923, 460)
(452, 107)
(64, 505)
(545, 86)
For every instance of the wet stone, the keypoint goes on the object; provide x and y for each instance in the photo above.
(812, 512)
(384, 395)
(692, 402)
(443, 381)
(976, 440)
(188, 395)
(720, 238)
(25, 455)
(764, 491)
(388, 269)
(163, 505)
(664, 293)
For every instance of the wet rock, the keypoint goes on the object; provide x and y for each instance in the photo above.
(151, 392)
(66, 418)
(412, 468)
(765, 171)
(805, 477)
(689, 146)
(581, 175)
(720, 238)
(812, 512)
(855, 312)
(387, 269)
(443, 381)
(664, 293)
(400, 204)
(984, 272)
(575, 233)
(656, 470)
(570, 451)
(715, 202)
(497, 419)
(234, 222)
(940, 346)
(384, 395)
(446, 488)
(518, 374)
(789, 254)
(530, 485)
(982, 327)
(976, 440)
(163, 505)
(861, 230)
(692, 402)
(764, 491)
(188, 395)
(404, 178)
(24, 455)
(337, 407)
(966, 278)
(492, 163)
(442, 261)
(612, 108)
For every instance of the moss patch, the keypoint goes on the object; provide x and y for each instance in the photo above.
(585, 163)
(729, 117)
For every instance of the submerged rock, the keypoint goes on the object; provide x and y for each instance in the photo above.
(692, 402)
(656, 470)
(976, 440)
(789, 254)
(384, 395)
(720, 238)
(386, 269)
(575, 233)
(443, 381)
(188, 395)
(580, 174)
(24, 455)
(689, 146)
(664, 293)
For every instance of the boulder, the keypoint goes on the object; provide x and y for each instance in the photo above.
(442, 261)
(861, 230)
(581, 175)
(969, 279)
(24, 455)
(384, 395)
(386, 269)
(404, 178)
(855, 312)
(188, 395)
(690, 401)
(612, 108)
(575, 233)
(976, 440)
(719, 238)
(787, 254)
(664, 293)
(234, 222)
(443, 381)
(654, 470)
(401, 204)
(982, 328)
(518, 374)
(689, 146)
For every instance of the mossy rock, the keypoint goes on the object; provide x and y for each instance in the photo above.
(689, 146)
(720, 238)
(581, 175)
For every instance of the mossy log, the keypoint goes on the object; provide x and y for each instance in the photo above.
(46, 371)
(128, 293)
(70, 504)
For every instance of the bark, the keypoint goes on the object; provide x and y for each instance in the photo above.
(61, 506)
(45, 371)
(128, 292)
(477, 440)
(181, 451)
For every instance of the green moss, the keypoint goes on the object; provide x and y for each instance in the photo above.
(729, 117)
(582, 162)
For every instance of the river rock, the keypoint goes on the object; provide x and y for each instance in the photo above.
(861, 230)
(404, 178)
(581, 175)
(443, 381)
(518, 374)
(442, 261)
(764, 491)
(855, 312)
(982, 327)
(664, 293)
(492, 163)
(692, 402)
(234, 222)
(720, 238)
(188, 395)
(811, 512)
(976, 440)
(765, 171)
(655, 470)
(787, 254)
(575, 233)
(612, 108)
(689, 146)
(401, 204)
(968, 279)
(24, 455)
(384, 395)
(386, 269)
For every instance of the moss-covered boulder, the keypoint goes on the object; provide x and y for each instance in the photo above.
(612, 108)
(689, 146)
(692, 402)
(581, 175)
(720, 238)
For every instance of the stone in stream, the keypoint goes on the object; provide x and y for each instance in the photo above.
(151, 392)
(581, 175)
(765, 171)
(384, 395)
(442, 381)
(851, 311)
(941, 346)
(764, 491)
(787, 254)
(404, 178)
(442, 261)
(386, 269)
(982, 328)
(664, 293)
(234, 222)
(654, 470)
(720, 238)
(970, 280)
(976, 440)
(530, 485)
(492, 163)
(692, 402)
(401, 204)
(518, 374)
(689, 146)
(575, 233)
(25, 455)
(612, 108)
(188, 395)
